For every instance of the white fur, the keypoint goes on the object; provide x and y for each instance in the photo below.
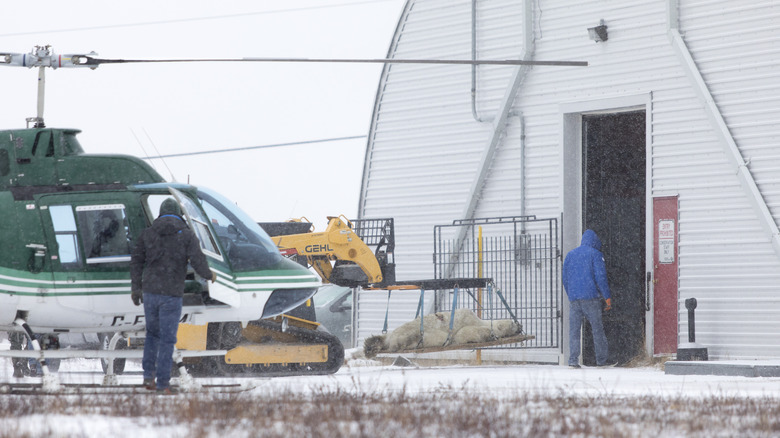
(467, 328)
(471, 334)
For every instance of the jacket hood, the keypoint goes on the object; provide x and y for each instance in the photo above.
(170, 206)
(590, 239)
(168, 224)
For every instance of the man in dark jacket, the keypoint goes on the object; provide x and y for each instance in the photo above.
(158, 268)
(585, 282)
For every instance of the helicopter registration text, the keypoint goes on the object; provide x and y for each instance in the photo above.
(120, 320)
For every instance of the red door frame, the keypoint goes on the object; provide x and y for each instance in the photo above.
(665, 272)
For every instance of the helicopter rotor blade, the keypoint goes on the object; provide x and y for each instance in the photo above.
(94, 62)
(43, 56)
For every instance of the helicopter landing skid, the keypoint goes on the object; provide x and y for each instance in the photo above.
(50, 381)
(131, 389)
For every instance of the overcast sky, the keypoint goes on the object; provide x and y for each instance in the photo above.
(150, 109)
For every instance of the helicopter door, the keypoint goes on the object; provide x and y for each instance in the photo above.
(89, 234)
(199, 224)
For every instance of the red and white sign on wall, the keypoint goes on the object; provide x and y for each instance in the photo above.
(666, 236)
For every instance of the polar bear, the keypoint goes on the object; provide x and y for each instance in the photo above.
(467, 328)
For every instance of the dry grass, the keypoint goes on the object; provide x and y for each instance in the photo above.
(446, 411)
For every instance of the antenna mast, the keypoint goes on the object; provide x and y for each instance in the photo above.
(38, 119)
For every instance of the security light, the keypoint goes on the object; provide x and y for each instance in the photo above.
(598, 33)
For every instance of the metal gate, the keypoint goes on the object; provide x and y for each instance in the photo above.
(522, 255)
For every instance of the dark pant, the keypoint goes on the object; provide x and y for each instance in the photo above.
(591, 310)
(162, 315)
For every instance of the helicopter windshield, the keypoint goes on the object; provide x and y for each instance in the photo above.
(245, 244)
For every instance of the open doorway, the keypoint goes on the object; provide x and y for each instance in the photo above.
(613, 204)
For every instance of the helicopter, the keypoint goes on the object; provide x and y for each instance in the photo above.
(71, 220)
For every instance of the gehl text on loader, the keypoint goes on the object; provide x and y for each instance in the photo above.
(71, 219)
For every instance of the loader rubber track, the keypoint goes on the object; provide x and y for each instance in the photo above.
(226, 336)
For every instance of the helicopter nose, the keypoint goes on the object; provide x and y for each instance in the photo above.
(284, 300)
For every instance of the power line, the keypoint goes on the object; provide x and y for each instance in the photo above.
(247, 148)
(186, 20)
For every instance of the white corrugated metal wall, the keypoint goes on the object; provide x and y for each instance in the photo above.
(724, 255)
(424, 147)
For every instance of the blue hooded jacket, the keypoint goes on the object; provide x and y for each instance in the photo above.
(584, 271)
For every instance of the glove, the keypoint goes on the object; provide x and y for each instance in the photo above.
(213, 276)
(609, 305)
(137, 296)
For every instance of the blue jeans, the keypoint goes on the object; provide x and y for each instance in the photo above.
(590, 309)
(162, 315)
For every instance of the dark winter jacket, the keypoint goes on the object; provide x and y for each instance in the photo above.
(159, 260)
(584, 271)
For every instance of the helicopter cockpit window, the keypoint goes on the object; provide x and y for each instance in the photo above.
(65, 234)
(199, 222)
(246, 245)
(103, 230)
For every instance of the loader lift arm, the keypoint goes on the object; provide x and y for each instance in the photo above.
(356, 264)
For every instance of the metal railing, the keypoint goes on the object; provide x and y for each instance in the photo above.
(522, 255)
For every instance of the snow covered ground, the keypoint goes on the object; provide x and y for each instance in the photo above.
(534, 400)
(539, 378)
(362, 374)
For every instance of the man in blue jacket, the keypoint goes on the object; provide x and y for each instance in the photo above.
(585, 282)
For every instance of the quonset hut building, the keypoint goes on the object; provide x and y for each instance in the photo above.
(667, 145)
